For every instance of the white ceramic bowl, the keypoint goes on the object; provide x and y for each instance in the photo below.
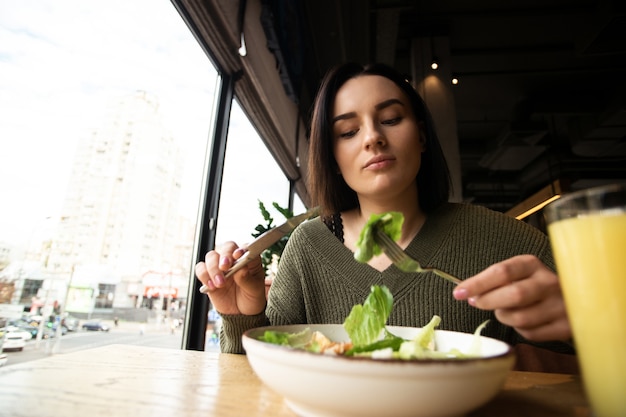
(332, 386)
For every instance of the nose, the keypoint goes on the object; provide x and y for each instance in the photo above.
(373, 136)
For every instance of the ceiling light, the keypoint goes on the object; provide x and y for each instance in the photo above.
(537, 201)
(435, 64)
(455, 80)
(242, 48)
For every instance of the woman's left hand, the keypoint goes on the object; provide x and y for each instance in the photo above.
(524, 294)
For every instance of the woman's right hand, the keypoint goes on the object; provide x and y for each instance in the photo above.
(241, 293)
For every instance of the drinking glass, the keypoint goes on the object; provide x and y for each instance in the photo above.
(587, 231)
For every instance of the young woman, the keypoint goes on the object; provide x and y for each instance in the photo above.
(373, 149)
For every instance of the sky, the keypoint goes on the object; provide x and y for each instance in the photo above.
(63, 61)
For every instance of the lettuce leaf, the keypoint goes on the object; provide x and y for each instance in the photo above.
(423, 344)
(367, 248)
(295, 340)
(390, 341)
(365, 322)
(476, 347)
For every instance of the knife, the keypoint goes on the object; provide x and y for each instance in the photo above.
(270, 237)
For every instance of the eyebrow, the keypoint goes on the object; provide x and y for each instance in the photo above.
(379, 106)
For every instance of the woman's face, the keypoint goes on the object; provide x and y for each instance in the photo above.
(376, 139)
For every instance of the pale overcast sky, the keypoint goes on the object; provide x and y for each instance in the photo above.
(62, 61)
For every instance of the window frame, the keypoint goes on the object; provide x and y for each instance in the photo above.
(284, 146)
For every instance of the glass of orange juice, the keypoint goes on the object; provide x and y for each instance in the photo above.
(587, 231)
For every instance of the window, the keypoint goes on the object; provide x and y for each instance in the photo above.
(102, 174)
(105, 296)
(30, 288)
(108, 128)
(250, 175)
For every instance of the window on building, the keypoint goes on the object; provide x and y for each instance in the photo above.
(30, 289)
(105, 296)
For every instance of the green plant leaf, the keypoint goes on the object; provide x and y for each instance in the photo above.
(267, 257)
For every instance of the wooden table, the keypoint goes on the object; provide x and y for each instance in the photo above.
(134, 381)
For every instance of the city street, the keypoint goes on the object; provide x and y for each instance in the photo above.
(127, 333)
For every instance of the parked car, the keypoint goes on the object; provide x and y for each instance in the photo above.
(95, 325)
(25, 327)
(32, 319)
(32, 327)
(71, 323)
(13, 341)
(16, 330)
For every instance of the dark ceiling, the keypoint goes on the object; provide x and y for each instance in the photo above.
(541, 91)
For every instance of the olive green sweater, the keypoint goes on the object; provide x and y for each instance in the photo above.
(318, 280)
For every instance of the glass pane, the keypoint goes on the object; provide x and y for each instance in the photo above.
(250, 175)
(104, 136)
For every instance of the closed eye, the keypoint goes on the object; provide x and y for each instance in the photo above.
(348, 134)
(393, 121)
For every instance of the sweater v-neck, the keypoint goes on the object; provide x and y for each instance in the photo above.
(426, 243)
(431, 235)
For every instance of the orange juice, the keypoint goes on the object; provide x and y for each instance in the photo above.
(590, 254)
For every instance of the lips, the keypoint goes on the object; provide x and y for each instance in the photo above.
(378, 161)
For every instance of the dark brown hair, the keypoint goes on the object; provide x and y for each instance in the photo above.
(328, 189)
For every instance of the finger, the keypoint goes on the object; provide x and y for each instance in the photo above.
(229, 253)
(207, 288)
(212, 260)
(239, 252)
(554, 330)
(226, 247)
(518, 294)
(215, 264)
(250, 275)
(497, 275)
(201, 272)
(225, 263)
(534, 316)
(203, 276)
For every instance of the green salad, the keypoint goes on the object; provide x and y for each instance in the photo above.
(366, 323)
(369, 336)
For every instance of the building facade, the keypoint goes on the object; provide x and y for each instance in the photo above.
(120, 217)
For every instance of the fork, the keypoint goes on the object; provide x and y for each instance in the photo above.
(403, 261)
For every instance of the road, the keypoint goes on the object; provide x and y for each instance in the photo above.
(126, 333)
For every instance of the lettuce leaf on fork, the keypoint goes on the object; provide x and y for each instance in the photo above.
(366, 246)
